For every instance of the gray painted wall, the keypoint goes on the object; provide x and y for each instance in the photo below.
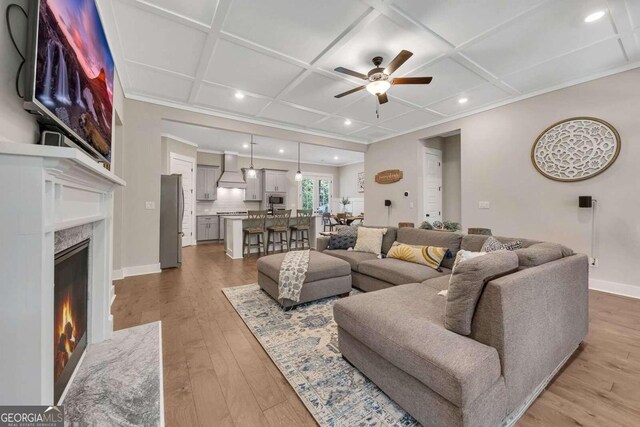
(143, 148)
(496, 167)
(168, 146)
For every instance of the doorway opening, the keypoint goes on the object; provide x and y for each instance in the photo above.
(441, 188)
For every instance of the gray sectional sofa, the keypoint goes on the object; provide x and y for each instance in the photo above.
(527, 322)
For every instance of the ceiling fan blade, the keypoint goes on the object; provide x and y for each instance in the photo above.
(349, 92)
(412, 80)
(382, 98)
(351, 73)
(398, 61)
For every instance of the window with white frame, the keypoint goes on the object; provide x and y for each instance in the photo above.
(315, 193)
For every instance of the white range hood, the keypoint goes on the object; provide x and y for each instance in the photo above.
(231, 176)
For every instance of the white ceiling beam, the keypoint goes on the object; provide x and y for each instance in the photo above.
(621, 20)
(209, 47)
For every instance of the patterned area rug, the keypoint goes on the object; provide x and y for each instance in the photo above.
(303, 343)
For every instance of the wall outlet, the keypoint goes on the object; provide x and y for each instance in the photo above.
(593, 262)
(150, 205)
(484, 205)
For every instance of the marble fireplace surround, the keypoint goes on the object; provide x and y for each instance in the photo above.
(48, 192)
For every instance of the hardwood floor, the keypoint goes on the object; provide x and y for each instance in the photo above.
(217, 374)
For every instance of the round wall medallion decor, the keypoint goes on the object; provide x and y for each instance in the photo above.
(575, 149)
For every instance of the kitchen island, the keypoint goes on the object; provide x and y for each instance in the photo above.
(233, 234)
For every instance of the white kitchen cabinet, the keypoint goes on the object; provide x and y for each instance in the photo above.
(207, 182)
(254, 191)
(276, 181)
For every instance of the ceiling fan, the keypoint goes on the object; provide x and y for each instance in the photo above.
(379, 79)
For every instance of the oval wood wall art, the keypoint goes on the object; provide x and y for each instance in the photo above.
(389, 176)
(575, 149)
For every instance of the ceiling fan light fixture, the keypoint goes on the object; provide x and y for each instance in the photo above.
(378, 87)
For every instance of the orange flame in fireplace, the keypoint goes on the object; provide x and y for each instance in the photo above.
(67, 319)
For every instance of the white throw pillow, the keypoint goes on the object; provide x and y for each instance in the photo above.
(370, 240)
(463, 255)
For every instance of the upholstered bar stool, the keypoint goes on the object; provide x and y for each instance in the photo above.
(254, 226)
(301, 227)
(279, 228)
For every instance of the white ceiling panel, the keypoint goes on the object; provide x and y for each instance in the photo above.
(365, 109)
(412, 120)
(449, 78)
(157, 84)
(282, 53)
(317, 91)
(383, 37)
(337, 125)
(477, 97)
(198, 10)
(284, 113)
(176, 47)
(220, 140)
(374, 133)
(277, 25)
(590, 60)
(222, 98)
(556, 29)
(633, 6)
(459, 21)
(247, 69)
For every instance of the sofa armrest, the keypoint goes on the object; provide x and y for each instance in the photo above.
(322, 243)
(535, 318)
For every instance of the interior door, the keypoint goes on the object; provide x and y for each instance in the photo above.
(433, 186)
(184, 166)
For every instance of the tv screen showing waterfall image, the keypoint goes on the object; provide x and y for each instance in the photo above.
(73, 72)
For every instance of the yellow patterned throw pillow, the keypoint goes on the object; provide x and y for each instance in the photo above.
(430, 256)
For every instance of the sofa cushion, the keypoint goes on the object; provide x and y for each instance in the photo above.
(443, 239)
(541, 253)
(404, 325)
(398, 272)
(439, 283)
(474, 242)
(466, 285)
(430, 256)
(321, 266)
(352, 257)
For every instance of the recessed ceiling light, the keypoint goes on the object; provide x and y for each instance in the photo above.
(594, 16)
(281, 151)
(245, 145)
(239, 95)
(347, 122)
(335, 157)
(463, 100)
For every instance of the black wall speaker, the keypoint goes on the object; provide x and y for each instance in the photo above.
(387, 202)
(585, 201)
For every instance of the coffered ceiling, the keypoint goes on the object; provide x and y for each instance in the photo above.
(272, 61)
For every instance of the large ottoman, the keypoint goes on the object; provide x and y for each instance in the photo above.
(326, 276)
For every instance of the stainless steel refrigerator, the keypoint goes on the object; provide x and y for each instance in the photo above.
(171, 214)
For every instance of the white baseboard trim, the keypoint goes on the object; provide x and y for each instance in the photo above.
(138, 270)
(117, 275)
(615, 288)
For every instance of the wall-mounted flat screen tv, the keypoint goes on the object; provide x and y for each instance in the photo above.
(71, 72)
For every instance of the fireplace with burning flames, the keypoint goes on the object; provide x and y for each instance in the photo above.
(70, 313)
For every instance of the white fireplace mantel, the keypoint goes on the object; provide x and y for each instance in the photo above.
(44, 190)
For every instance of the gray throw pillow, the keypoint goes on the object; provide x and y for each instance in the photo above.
(492, 244)
(542, 253)
(344, 238)
(467, 283)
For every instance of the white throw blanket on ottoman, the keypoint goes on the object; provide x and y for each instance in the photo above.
(292, 274)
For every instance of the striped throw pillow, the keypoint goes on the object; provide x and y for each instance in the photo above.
(430, 256)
